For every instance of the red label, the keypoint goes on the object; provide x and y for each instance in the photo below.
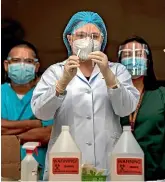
(129, 166)
(65, 165)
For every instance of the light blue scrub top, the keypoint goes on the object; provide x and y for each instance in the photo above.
(13, 108)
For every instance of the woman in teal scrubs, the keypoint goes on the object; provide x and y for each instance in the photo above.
(17, 117)
(148, 121)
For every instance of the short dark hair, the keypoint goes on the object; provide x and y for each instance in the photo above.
(27, 44)
(150, 81)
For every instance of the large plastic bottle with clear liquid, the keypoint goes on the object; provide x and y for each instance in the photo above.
(29, 166)
(127, 158)
(65, 158)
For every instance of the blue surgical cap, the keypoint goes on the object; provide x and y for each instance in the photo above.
(85, 17)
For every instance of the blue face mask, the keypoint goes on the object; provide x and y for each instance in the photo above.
(139, 65)
(21, 73)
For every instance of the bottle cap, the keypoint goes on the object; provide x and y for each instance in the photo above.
(65, 128)
(126, 128)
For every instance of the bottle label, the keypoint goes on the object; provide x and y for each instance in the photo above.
(65, 166)
(129, 166)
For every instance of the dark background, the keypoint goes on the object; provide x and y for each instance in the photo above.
(42, 22)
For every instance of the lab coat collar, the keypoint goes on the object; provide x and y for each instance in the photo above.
(95, 72)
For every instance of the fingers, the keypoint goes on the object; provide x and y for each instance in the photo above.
(97, 53)
(72, 66)
(73, 57)
(97, 61)
(95, 57)
(73, 62)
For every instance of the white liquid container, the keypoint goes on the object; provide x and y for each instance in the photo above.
(127, 158)
(29, 166)
(65, 158)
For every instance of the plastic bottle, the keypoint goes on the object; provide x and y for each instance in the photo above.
(127, 159)
(29, 166)
(65, 158)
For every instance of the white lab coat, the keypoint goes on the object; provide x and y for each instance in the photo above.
(91, 110)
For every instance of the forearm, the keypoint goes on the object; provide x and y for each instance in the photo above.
(124, 98)
(6, 131)
(38, 134)
(25, 124)
(110, 78)
(46, 99)
(44, 106)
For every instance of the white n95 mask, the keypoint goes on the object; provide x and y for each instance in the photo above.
(86, 46)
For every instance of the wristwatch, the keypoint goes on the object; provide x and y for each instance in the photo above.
(62, 94)
(116, 85)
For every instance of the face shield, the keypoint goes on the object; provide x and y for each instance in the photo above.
(21, 70)
(79, 20)
(86, 39)
(134, 58)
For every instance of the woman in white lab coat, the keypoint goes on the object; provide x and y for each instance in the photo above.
(86, 92)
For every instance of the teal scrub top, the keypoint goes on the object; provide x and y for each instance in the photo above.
(15, 109)
(149, 131)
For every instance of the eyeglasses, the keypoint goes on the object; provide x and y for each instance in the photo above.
(26, 60)
(82, 35)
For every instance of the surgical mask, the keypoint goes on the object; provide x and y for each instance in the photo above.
(136, 66)
(21, 73)
(86, 46)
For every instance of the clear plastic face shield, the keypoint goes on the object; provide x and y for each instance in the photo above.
(86, 38)
(134, 58)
